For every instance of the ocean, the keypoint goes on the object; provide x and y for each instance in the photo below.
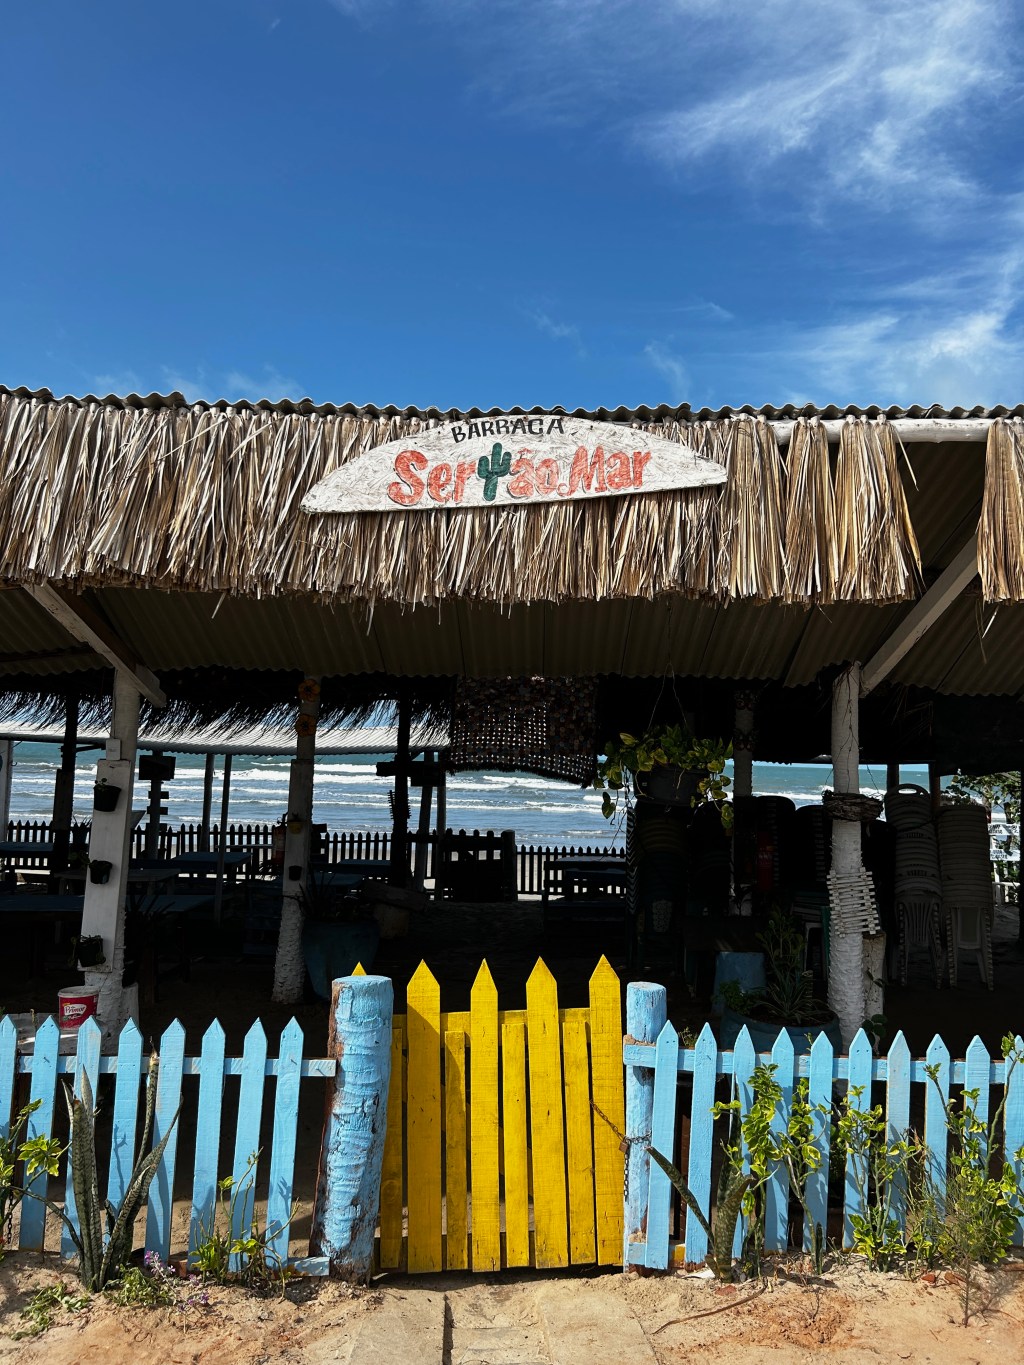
(348, 794)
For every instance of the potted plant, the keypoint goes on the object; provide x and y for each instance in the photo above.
(105, 795)
(87, 951)
(99, 871)
(667, 764)
(292, 821)
(785, 1002)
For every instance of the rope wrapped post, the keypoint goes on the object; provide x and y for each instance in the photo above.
(846, 992)
(646, 1015)
(352, 1152)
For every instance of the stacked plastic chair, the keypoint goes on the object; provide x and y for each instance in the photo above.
(918, 881)
(967, 892)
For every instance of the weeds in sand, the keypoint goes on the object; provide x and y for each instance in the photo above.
(226, 1256)
(44, 1303)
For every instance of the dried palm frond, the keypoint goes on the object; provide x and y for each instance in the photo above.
(1001, 529)
(207, 499)
(811, 547)
(879, 560)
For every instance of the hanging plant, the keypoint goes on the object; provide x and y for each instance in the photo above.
(304, 726)
(309, 689)
(666, 764)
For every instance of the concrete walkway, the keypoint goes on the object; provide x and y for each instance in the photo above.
(499, 1323)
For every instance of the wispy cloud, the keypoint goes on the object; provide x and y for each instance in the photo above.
(671, 367)
(201, 384)
(957, 339)
(869, 98)
(556, 329)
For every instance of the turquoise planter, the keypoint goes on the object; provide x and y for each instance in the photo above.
(763, 1035)
(332, 950)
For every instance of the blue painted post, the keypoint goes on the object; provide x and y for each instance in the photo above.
(1013, 1123)
(776, 1195)
(744, 1064)
(646, 1015)
(87, 1062)
(897, 1117)
(936, 1129)
(8, 1066)
(861, 1062)
(819, 1096)
(352, 1154)
(663, 1140)
(40, 1124)
(247, 1137)
(977, 1072)
(705, 1067)
(211, 1098)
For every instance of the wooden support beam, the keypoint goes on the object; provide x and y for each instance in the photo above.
(922, 616)
(81, 620)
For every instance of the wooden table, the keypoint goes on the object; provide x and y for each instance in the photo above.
(39, 913)
(196, 864)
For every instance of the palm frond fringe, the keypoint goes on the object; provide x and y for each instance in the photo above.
(1001, 529)
(199, 499)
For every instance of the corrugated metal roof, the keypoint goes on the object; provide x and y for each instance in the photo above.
(683, 412)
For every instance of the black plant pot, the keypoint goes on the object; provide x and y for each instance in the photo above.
(99, 871)
(89, 951)
(667, 785)
(105, 797)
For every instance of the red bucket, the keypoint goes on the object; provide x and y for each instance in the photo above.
(75, 1005)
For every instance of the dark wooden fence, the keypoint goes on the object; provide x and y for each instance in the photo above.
(532, 860)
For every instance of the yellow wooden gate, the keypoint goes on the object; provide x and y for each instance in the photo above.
(494, 1156)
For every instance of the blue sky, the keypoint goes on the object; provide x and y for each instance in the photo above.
(462, 202)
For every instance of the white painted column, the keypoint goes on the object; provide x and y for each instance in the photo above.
(104, 911)
(289, 965)
(6, 773)
(846, 992)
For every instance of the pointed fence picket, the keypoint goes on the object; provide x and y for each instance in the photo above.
(868, 1081)
(210, 1074)
(496, 1114)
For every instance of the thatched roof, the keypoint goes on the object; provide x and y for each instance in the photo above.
(159, 493)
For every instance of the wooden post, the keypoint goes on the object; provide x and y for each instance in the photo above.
(289, 966)
(399, 874)
(646, 1014)
(935, 786)
(6, 773)
(64, 792)
(742, 844)
(225, 801)
(892, 776)
(352, 1152)
(423, 829)
(153, 814)
(204, 828)
(110, 841)
(846, 992)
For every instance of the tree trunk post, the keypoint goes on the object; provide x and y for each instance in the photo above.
(104, 908)
(352, 1152)
(289, 966)
(846, 992)
(646, 1014)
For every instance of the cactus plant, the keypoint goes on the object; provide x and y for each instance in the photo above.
(99, 1263)
(493, 467)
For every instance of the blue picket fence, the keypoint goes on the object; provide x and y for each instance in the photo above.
(46, 1067)
(656, 1102)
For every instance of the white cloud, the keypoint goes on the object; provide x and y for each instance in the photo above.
(120, 382)
(871, 98)
(957, 339)
(557, 330)
(671, 367)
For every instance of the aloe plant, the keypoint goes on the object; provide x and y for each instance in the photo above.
(720, 1241)
(100, 1259)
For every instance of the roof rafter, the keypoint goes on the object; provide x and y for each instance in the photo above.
(922, 616)
(83, 622)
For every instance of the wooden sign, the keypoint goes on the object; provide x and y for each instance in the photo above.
(509, 461)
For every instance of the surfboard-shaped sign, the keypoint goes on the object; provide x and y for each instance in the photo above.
(509, 462)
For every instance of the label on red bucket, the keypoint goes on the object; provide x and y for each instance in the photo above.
(75, 1006)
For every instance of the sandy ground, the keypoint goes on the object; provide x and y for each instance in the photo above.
(532, 1319)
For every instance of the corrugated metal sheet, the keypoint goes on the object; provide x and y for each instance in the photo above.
(684, 412)
(31, 641)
